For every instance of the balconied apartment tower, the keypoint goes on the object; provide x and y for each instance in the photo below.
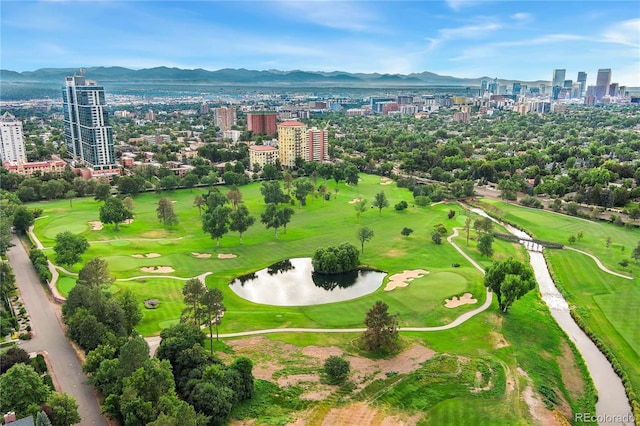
(87, 132)
(292, 142)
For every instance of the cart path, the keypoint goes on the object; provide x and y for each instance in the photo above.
(154, 341)
(599, 263)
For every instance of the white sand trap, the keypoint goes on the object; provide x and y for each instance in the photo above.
(96, 225)
(355, 200)
(403, 279)
(173, 201)
(148, 255)
(226, 256)
(465, 299)
(158, 269)
(385, 181)
(201, 255)
(128, 221)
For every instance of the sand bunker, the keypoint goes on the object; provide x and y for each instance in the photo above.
(385, 181)
(403, 279)
(355, 200)
(157, 269)
(128, 221)
(465, 299)
(226, 256)
(201, 255)
(148, 255)
(96, 225)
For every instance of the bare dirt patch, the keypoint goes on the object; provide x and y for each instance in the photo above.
(498, 340)
(403, 279)
(201, 255)
(396, 253)
(537, 409)
(226, 256)
(158, 269)
(465, 299)
(96, 225)
(385, 181)
(355, 200)
(360, 413)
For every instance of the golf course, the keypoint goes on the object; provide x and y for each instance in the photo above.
(516, 368)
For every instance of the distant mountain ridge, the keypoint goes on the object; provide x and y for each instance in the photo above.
(241, 76)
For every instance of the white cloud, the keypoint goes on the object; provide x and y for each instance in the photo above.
(466, 32)
(342, 15)
(458, 5)
(522, 17)
(626, 33)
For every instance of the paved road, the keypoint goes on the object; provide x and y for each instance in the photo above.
(49, 337)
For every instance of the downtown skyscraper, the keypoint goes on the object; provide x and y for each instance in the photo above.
(602, 83)
(87, 132)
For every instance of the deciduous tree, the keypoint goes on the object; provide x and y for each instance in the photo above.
(216, 222)
(21, 387)
(213, 309)
(337, 369)
(241, 220)
(485, 245)
(114, 211)
(509, 280)
(364, 234)
(64, 409)
(166, 213)
(380, 201)
(95, 273)
(69, 248)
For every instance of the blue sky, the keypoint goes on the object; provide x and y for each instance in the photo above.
(520, 40)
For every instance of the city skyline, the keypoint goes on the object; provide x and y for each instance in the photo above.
(505, 39)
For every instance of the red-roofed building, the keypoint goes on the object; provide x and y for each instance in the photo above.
(29, 169)
(262, 155)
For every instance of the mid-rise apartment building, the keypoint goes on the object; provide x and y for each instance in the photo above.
(292, 142)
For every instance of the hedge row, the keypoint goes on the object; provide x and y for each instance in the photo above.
(41, 263)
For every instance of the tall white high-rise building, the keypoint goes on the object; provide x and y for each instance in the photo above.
(87, 131)
(603, 80)
(11, 140)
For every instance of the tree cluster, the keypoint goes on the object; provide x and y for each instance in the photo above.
(93, 316)
(336, 259)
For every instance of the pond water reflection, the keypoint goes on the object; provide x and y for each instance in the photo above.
(292, 282)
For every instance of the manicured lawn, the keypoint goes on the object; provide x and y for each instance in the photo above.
(316, 225)
(607, 304)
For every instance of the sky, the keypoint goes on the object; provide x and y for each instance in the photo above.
(516, 40)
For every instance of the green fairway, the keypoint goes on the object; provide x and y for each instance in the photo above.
(145, 243)
(607, 304)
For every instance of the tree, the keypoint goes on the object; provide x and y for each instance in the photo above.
(190, 180)
(272, 192)
(571, 239)
(485, 245)
(64, 409)
(7, 280)
(199, 202)
(103, 192)
(133, 355)
(129, 204)
(213, 309)
(12, 356)
(380, 201)
(21, 387)
(95, 273)
(284, 215)
(287, 177)
(169, 183)
(436, 237)
(241, 220)
(406, 231)
(22, 220)
(211, 400)
(129, 185)
(70, 194)
(69, 248)
(193, 291)
(402, 205)
(216, 222)
(114, 211)
(302, 188)
(608, 242)
(42, 419)
(234, 196)
(451, 214)
(335, 259)
(361, 207)
(483, 224)
(364, 234)
(382, 328)
(5, 233)
(165, 212)
(509, 280)
(635, 254)
(337, 369)
(130, 310)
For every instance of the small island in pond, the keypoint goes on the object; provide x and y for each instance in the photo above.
(336, 259)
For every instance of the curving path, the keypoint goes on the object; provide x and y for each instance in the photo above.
(154, 341)
(599, 263)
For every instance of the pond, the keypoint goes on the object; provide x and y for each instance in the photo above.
(292, 282)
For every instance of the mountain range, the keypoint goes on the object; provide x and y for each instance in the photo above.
(240, 77)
